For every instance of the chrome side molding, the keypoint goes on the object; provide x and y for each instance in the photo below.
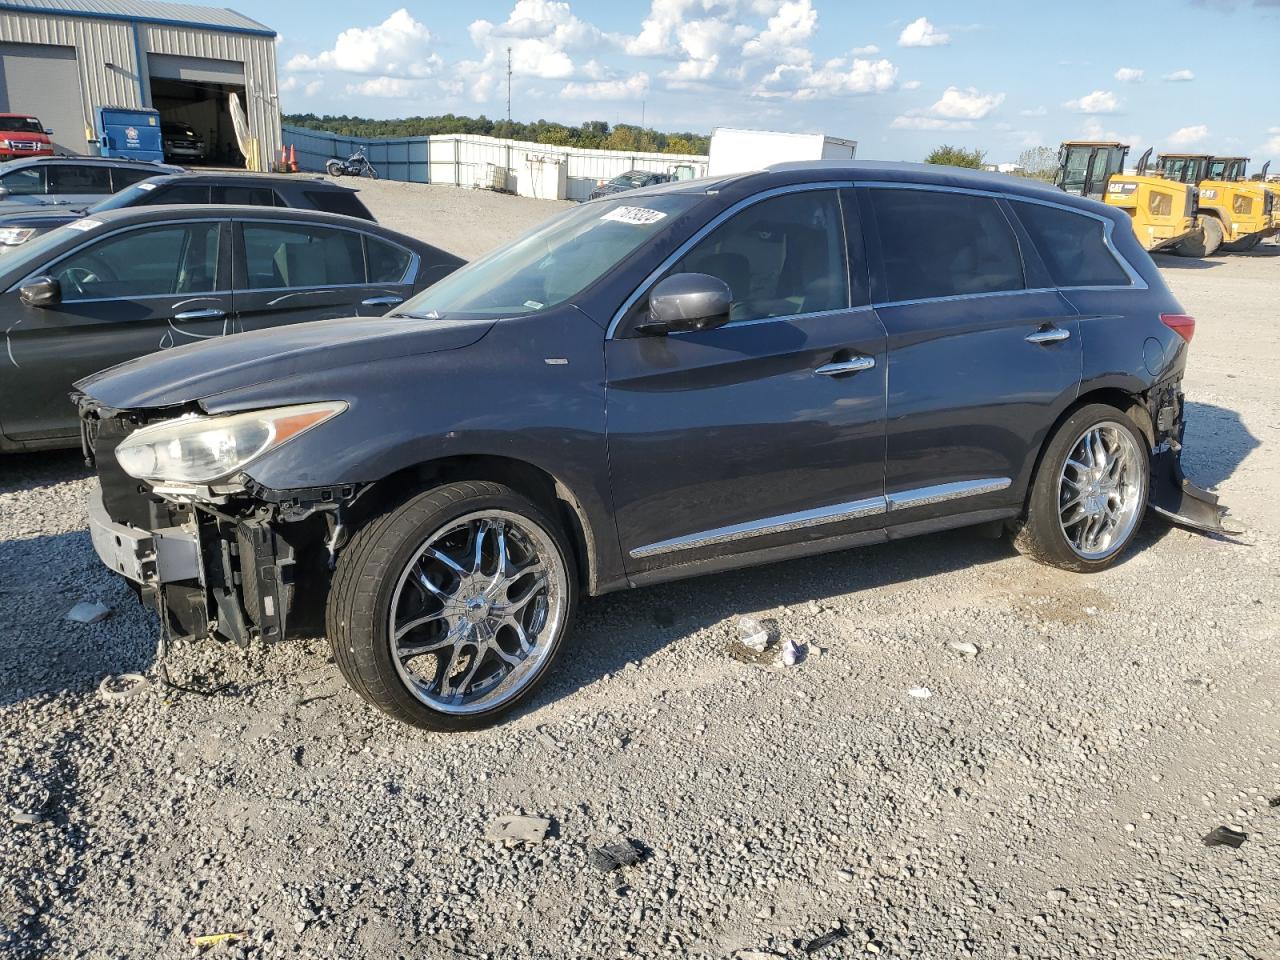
(836, 513)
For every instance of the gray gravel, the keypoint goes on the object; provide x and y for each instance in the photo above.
(1047, 800)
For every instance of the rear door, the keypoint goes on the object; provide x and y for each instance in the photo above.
(292, 272)
(979, 364)
(78, 184)
(124, 295)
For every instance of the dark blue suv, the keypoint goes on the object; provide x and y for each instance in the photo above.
(684, 379)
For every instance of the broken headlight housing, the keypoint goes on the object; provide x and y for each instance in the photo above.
(196, 449)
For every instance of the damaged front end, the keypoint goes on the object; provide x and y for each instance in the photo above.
(227, 559)
(1173, 496)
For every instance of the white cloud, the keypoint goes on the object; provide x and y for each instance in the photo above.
(967, 104)
(912, 85)
(314, 87)
(834, 78)
(400, 46)
(396, 88)
(786, 33)
(870, 50)
(1130, 75)
(1092, 129)
(922, 33)
(1033, 112)
(1100, 101)
(1180, 75)
(1272, 146)
(916, 122)
(1188, 136)
(631, 88)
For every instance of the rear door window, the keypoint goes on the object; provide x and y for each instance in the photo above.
(24, 182)
(149, 261)
(74, 178)
(122, 177)
(293, 255)
(247, 196)
(387, 262)
(1072, 245)
(936, 244)
(179, 193)
(781, 257)
(337, 201)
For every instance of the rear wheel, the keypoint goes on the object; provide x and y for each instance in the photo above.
(333, 168)
(1089, 493)
(448, 611)
(1204, 242)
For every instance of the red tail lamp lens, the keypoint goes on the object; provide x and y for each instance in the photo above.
(1181, 324)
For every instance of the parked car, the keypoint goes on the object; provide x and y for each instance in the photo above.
(40, 182)
(180, 140)
(266, 190)
(127, 282)
(631, 180)
(22, 135)
(685, 379)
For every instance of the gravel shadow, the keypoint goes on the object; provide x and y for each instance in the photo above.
(33, 471)
(1216, 443)
(1171, 261)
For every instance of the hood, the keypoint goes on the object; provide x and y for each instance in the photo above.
(198, 370)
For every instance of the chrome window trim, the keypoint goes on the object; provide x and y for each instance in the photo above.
(643, 287)
(818, 516)
(842, 311)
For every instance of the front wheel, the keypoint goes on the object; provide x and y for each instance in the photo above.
(448, 611)
(369, 172)
(1089, 493)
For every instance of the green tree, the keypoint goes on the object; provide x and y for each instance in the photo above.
(1039, 163)
(678, 144)
(957, 157)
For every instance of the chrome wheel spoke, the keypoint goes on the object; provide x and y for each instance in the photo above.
(444, 558)
(416, 622)
(1101, 488)
(450, 639)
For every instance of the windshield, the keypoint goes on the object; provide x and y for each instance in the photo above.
(23, 124)
(629, 180)
(554, 262)
(126, 197)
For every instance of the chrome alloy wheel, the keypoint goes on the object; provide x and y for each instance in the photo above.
(476, 611)
(1101, 490)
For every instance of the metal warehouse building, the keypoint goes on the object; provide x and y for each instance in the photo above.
(62, 59)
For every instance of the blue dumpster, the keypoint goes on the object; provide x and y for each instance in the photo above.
(127, 132)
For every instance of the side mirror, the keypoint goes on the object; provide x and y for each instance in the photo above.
(41, 292)
(4, 192)
(687, 301)
(48, 131)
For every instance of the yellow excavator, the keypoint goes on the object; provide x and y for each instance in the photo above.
(1162, 212)
(1232, 210)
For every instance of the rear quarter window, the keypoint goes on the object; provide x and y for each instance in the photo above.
(937, 244)
(1073, 246)
(337, 201)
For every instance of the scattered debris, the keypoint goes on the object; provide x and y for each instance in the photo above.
(518, 828)
(122, 686)
(754, 643)
(826, 940)
(920, 693)
(88, 612)
(1274, 802)
(27, 818)
(1224, 837)
(613, 856)
(213, 939)
(964, 648)
(792, 653)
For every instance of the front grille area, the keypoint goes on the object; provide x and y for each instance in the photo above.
(28, 145)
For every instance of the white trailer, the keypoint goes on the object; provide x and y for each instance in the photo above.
(738, 151)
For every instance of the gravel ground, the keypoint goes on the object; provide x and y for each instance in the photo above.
(1047, 800)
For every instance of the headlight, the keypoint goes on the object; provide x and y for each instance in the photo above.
(13, 236)
(196, 449)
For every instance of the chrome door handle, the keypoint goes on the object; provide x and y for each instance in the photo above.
(838, 367)
(210, 314)
(381, 301)
(1052, 335)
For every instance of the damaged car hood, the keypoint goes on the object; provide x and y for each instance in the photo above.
(198, 370)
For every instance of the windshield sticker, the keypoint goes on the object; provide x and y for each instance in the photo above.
(637, 215)
(534, 304)
(85, 224)
(146, 186)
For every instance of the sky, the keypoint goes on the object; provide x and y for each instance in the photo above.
(899, 78)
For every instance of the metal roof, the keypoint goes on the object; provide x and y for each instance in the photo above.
(145, 11)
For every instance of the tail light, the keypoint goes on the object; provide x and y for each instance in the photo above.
(1181, 324)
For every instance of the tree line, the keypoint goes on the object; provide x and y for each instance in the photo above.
(591, 135)
(1039, 163)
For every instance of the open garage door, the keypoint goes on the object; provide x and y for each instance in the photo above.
(194, 90)
(44, 81)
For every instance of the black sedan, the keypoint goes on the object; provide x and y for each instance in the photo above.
(124, 283)
(631, 180)
(259, 190)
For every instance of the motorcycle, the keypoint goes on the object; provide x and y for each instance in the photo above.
(356, 165)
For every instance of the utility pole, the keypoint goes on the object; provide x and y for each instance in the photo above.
(641, 114)
(508, 86)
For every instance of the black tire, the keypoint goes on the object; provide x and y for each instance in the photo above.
(333, 168)
(368, 570)
(1204, 242)
(369, 172)
(1040, 534)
